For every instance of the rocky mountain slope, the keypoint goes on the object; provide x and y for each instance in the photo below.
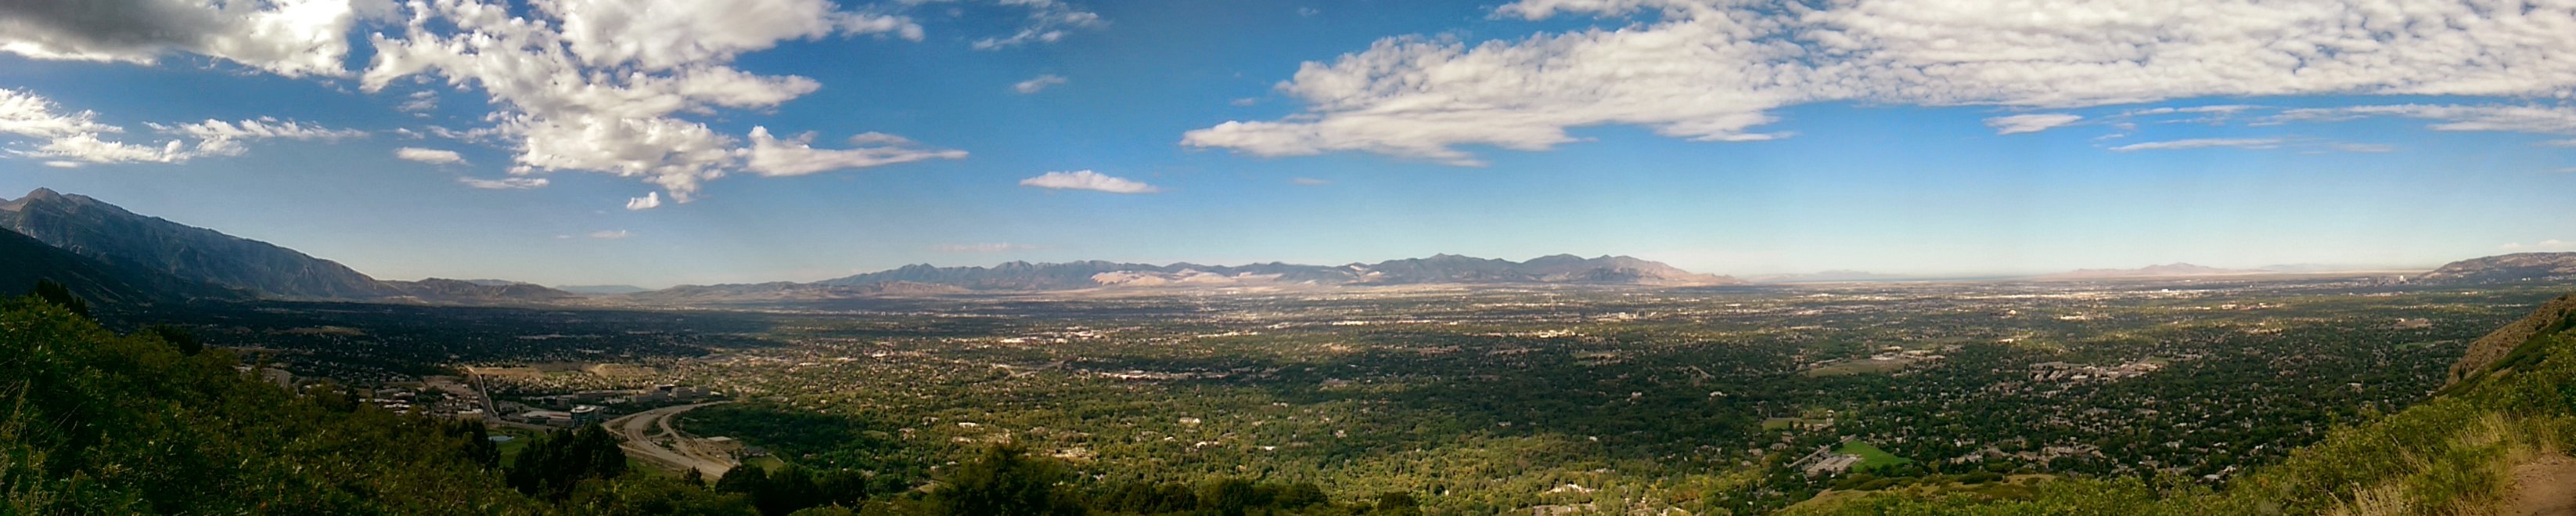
(2505, 268)
(2496, 350)
(128, 241)
(110, 234)
(24, 261)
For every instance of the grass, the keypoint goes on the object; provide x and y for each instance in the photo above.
(519, 441)
(1871, 457)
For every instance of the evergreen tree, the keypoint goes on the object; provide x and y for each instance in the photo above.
(59, 295)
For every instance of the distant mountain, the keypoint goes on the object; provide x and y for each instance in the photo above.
(785, 291)
(25, 260)
(439, 290)
(2515, 267)
(2152, 271)
(1038, 277)
(1561, 268)
(601, 290)
(1828, 277)
(131, 242)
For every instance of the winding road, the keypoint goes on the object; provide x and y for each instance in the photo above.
(648, 435)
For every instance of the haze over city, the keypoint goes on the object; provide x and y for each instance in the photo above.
(804, 139)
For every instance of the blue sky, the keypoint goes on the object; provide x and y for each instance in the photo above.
(1367, 131)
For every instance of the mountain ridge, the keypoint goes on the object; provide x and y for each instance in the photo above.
(110, 234)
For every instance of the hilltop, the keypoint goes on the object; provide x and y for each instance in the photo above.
(2517, 267)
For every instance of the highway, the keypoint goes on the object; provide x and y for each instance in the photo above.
(648, 435)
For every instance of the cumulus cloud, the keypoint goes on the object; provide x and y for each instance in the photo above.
(610, 235)
(1041, 83)
(506, 183)
(1049, 21)
(650, 200)
(75, 137)
(2203, 143)
(430, 156)
(1088, 180)
(2017, 124)
(1716, 70)
(2544, 245)
(602, 86)
(286, 37)
(981, 248)
(27, 114)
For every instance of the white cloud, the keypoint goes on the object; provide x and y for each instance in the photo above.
(602, 86)
(1049, 21)
(1088, 180)
(27, 114)
(2032, 123)
(2451, 117)
(63, 164)
(423, 101)
(2560, 143)
(2364, 147)
(1308, 181)
(2203, 143)
(506, 183)
(981, 248)
(1037, 84)
(286, 37)
(1716, 69)
(430, 156)
(795, 157)
(89, 148)
(650, 200)
(2544, 245)
(220, 138)
(75, 137)
(610, 235)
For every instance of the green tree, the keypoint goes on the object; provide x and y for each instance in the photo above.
(53, 292)
(180, 339)
(1005, 481)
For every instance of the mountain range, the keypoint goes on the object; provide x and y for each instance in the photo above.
(1038, 277)
(107, 252)
(139, 249)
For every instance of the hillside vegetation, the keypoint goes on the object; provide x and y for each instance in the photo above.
(2455, 454)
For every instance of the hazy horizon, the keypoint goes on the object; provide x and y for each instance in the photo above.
(809, 139)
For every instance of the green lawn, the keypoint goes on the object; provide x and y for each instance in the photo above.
(1870, 456)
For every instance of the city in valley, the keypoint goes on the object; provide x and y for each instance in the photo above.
(1477, 398)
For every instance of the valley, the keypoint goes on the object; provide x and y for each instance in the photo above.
(1478, 399)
